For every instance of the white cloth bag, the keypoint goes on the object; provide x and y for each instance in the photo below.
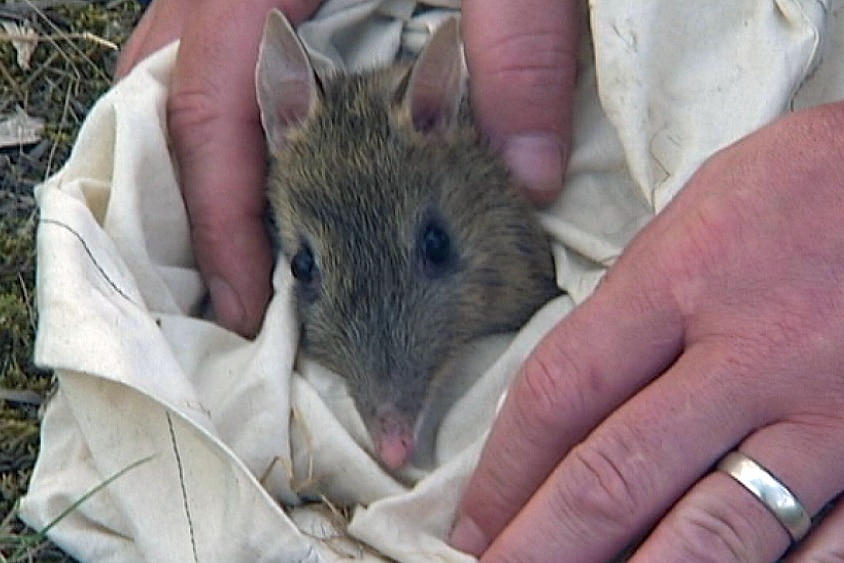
(212, 432)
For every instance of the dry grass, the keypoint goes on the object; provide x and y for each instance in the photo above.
(70, 67)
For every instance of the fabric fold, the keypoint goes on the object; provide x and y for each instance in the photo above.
(226, 449)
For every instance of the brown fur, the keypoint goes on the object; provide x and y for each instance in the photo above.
(357, 182)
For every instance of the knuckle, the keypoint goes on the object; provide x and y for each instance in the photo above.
(696, 256)
(532, 67)
(545, 391)
(831, 555)
(608, 484)
(530, 53)
(189, 114)
(711, 532)
(490, 502)
(713, 234)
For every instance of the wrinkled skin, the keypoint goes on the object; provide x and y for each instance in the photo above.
(719, 328)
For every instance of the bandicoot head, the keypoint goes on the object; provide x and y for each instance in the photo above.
(403, 233)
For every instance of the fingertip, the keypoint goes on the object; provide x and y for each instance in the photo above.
(537, 162)
(239, 280)
(161, 23)
(228, 307)
(522, 60)
(468, 537)
(124, 64)
(130, 52)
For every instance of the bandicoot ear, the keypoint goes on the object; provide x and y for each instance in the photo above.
(435, 87)
(285, 81)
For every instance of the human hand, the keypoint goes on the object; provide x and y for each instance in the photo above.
(522, 58)
(719, 328)
(523, 77)
(212, 116)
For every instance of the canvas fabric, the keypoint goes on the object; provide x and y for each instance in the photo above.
(204, 446)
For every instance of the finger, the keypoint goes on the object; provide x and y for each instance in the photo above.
(582, 497)
(219, 146)
(719, 520)
(706, 532)
(629, 470)
(161, 24)
(629, 331)
(222, 185)
(615, 484)
(578, 373)
(618, 481)
(522, 63)
(826, 540)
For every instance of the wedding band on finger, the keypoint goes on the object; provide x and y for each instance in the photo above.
(771, 492)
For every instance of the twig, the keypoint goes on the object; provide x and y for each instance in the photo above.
(25, 396)
(4, 72)
(27, 301)
(86, 35)
(28, 6)
(37, 72)
(55, 146)
(73, 46)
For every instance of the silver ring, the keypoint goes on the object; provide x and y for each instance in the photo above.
(774, 495)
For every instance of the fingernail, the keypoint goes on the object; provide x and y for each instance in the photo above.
(227, 306)
(536, 160)
(468, 537)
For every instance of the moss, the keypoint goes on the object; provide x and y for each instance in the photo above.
(70, 69)
(22, 385)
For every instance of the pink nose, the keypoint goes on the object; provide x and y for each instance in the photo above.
(393, 440)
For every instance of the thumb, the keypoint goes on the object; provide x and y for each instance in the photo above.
(219, 145)
(522, 66)
(162, 23)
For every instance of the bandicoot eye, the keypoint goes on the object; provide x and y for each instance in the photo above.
(303, 265)
(436, 245)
